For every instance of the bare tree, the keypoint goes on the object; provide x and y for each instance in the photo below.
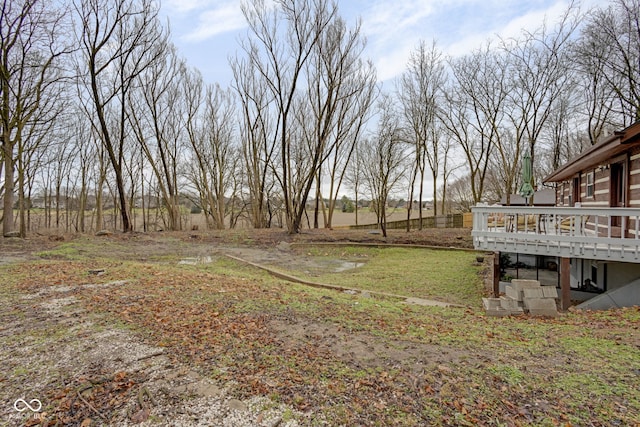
(38, 137)
(419, 90)
(353, 175)
(502, 101)
(62, 164)
(383, 160)
(87, 154)
(447, 163)
(609, 52)
(461, 196)
(459, 115)
(279, 58)
(540, 72)
(30, 49)
(597, 98)
(115, 38)
(258, 145)
(341, 91)
(558, 130)
(483, 83)
(156, 113)
(215, 155)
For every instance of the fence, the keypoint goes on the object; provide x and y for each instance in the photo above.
(440, 221)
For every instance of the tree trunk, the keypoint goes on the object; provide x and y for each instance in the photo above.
(21, 199)
(410, 205)
(7, 221)
(420, 199)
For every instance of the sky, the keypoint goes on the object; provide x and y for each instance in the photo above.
(207, 32)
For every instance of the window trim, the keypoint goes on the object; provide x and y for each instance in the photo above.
(590, 188)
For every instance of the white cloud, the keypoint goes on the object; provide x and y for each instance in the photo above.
(529, 21)
(389, 19)
(185, 6)
(533, 20)
(393, 63)
(226, 17)
(393, 29)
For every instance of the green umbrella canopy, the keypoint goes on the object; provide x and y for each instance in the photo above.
(526, 189)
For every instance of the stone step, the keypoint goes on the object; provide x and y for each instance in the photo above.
(541, 307)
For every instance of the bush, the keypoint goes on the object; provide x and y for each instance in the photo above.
(347, 205)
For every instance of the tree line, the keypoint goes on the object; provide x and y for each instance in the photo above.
(98, 109)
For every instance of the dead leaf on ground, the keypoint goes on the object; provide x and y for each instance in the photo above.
(140, 416)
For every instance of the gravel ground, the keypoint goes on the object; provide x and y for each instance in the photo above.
(55, 352)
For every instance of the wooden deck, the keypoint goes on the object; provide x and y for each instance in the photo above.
(611, 234)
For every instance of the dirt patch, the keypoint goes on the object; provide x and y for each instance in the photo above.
(85, 370)
(449, 237)
(358, 348)
(13, 249)
(289, 260)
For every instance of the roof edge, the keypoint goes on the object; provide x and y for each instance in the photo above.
(592, 154)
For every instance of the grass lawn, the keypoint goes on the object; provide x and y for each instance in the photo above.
(451, 276)
(341, 359)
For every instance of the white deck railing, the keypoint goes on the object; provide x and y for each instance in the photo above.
(593, 233)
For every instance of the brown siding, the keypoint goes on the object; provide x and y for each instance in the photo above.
(634, 180)
(562, 194)
(601, 189)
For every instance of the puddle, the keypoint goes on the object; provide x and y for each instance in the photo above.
(347, 265)
(6, 260)
(195, 260)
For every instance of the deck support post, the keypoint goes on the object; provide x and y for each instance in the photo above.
(496, 274)
(565, 284)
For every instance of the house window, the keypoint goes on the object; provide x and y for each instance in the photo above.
(590, 184)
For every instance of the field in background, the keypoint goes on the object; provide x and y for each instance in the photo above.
(190, 221)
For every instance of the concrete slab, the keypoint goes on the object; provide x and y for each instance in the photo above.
(509, 303)
(541, 307)
(491, 303)
(520, 284)
(511, 292)
(550, 291)
(532, 293)
(498, 313)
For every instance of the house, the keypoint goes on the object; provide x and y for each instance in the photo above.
(593, 231)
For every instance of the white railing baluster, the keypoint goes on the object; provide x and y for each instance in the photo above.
(637, 222)
(623, 234)
(609, 226)
(559, 231)
(597, 231)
